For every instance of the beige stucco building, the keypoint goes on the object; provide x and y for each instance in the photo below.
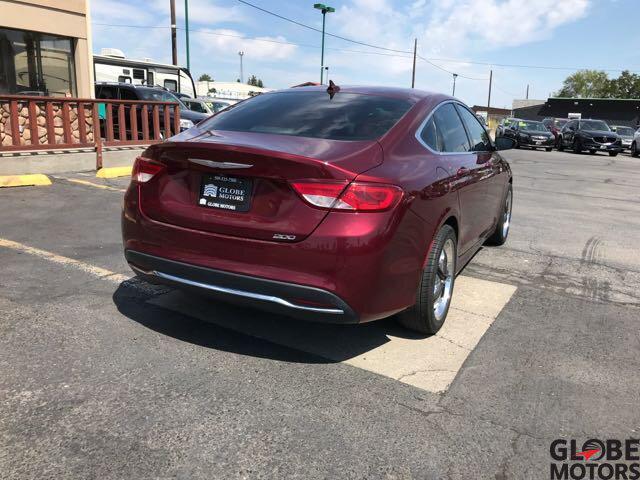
(45, 48)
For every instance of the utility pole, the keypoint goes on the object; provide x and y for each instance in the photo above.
(186, 27)
(174, 46)
(415, 52)
(324, 9)
(455, 75)
(527, 91)
(490, 81)
(241, 53)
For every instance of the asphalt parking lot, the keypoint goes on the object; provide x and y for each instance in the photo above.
(107, 377)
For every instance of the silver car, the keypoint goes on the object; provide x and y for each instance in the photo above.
(626, 134)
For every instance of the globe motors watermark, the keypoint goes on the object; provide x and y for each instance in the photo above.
(597, 459)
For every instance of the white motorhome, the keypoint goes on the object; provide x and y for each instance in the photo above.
(112, 66)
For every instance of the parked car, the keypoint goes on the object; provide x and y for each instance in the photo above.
(592, 135)
(505, 125)
(532, 134)
(635, 144)
(218, 104)
(554, 125)
(626, 135)
(343, 206)
(127, 91)
(198, 105)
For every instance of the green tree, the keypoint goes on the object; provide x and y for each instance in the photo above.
(205, 77)
(627, 85)
(255, 81)
(586, 84)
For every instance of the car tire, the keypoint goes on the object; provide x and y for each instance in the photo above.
(548, 149)
(560, 145)
(613, 154)
(500, 234)
(634, 150)
(592, 152)
(517, 144)
(435, 288)
(575, 146)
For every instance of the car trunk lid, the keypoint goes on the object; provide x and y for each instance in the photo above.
(239, 184)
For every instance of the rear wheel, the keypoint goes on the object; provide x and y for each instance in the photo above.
(592, 152)
(634, 150)
(560, 145)
(548, 149)
(613, 154)
(500, 234)
(436, 286)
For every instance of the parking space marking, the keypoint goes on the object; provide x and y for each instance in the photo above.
(429, 363)
(95, 185)
(383, 348)
(65, 261)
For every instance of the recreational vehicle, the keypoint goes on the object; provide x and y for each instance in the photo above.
(112, 66)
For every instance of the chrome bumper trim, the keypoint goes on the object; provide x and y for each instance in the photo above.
(238, 293)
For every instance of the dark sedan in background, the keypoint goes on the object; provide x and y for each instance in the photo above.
(531, 134)
(592, 135)
(337, 205)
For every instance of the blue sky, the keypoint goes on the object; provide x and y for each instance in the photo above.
(567, 33)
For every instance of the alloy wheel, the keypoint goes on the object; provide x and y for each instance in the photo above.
(506, 214)
(444, 280)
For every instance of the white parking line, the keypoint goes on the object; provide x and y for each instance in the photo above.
(65, 261)
(380, 347)
(384, 348)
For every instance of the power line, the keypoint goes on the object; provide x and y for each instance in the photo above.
(407, 53)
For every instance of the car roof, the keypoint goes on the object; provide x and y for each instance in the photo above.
(413, 94)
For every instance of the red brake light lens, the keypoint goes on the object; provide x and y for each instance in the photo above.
(356, 197)
(144, 169)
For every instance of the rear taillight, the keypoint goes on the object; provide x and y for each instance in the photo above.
(356, 197)
(144, 169)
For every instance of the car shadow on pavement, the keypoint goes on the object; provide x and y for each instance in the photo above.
(211, 324)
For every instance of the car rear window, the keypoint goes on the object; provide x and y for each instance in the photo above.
(346, 116)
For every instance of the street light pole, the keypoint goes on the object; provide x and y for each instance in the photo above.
(324, 9)
(186, 27)
(241, 53)
(455, 75)
(174, 46)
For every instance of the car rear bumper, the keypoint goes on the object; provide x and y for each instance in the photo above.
(369, 266)
(279, 297)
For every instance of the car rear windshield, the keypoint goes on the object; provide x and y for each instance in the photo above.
(346, 116)
(157, 95)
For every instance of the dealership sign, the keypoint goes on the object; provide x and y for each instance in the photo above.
(595, 459)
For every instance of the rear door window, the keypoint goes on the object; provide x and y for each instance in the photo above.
(479, 138)
(344, 116)
(448, 122)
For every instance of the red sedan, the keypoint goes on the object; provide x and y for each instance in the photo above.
(340, 205)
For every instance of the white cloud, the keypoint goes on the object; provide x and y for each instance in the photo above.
(228, 42)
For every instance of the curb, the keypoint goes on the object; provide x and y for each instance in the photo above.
(114, 172)
(24, 180)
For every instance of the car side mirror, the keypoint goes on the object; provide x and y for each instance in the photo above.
(504, 143)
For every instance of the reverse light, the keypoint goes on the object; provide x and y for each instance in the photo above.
(144, 169)
(355, 197)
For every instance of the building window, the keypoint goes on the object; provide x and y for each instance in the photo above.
(36, 64)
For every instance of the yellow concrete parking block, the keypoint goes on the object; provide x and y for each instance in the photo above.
(114, 172)
(24, 180)
(382, 347)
